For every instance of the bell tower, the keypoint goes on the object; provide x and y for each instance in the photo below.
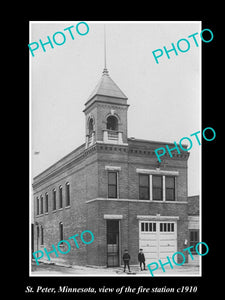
(106, 113)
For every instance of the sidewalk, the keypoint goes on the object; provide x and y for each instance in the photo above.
(60, 269)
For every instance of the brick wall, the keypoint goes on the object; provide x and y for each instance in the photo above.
(83, 185)
(129, 225)
(128, 183)
(193, 205)
(88, 180)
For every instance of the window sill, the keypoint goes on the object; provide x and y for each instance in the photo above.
(67, 206)
(154, 200)
(167, 201)
(135, 200)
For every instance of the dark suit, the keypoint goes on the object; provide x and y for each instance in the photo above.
(141, 259)
(126, 259)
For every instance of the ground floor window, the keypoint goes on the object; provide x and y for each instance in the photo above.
(194, 239)
(60, 230)
(37, 203)
(112, 243)
(42, 235)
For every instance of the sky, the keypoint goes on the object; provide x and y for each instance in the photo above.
(164, 98)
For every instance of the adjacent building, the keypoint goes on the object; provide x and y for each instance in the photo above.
(193, 226)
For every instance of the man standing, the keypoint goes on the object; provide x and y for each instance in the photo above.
(141, 258)
(126, 259)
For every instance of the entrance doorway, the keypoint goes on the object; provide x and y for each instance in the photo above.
(112, 243)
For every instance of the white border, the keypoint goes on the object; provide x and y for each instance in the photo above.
(30, 151)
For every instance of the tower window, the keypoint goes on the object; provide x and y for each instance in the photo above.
(91, 126)
(112, 123)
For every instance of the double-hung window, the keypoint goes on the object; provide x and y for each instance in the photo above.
(157, 187)
(112, 184)
(54, 199)
(143, 187)
(194, 239)
(170, 188)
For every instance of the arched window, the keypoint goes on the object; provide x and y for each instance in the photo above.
(60, 197)
(42, 205)
(67, 194)
(46, 202)
(91, 126)
(54, 199)
(112, 123)
(37, 202)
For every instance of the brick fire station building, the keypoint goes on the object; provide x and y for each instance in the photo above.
(115, 187)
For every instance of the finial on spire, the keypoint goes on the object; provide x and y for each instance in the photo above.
(105, 46)
(105, 71)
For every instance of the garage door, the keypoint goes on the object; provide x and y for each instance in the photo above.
(158, 239)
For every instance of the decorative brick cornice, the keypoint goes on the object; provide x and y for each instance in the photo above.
(68, 163)
(138, 151)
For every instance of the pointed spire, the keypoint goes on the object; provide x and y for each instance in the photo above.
(105, 71)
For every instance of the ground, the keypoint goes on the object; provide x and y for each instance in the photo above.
(54, 269)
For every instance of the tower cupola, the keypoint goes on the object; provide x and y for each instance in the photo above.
(106, 113)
